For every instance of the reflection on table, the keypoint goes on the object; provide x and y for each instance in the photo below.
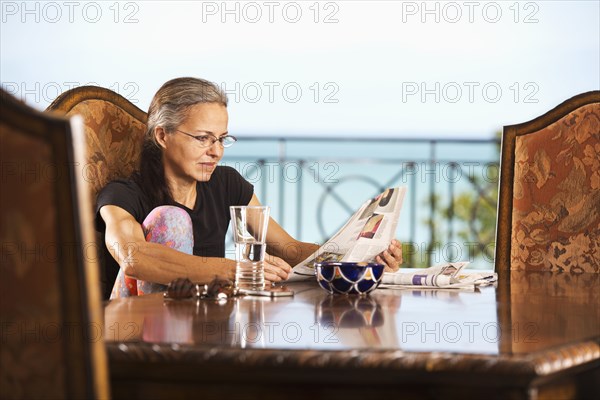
(527, 335)
(541, 315)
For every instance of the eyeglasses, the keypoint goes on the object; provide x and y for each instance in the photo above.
(209, 140)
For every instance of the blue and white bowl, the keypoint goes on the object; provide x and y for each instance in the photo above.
(349, 277)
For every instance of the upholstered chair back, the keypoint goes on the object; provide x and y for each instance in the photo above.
(549, 216)
(50, 309)
(114, 129)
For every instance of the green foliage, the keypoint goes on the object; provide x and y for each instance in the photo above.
(469, 219)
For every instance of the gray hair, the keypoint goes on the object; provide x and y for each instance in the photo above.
(170, 105)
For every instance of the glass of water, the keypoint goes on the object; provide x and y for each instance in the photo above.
(249, 225)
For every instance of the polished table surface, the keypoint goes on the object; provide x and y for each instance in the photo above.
(531, 330)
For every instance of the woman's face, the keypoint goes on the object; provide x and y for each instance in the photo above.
(184, 157)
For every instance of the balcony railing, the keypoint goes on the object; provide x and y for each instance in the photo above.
(314, 185)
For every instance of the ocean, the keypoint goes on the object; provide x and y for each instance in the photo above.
(313, 185)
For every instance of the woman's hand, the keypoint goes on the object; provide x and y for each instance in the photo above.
(276, 270)
(392, 257)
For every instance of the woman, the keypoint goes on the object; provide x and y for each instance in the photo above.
(170, 218)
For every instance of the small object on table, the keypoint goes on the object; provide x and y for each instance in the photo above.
(219, 289)
(183, 288)
(274, 292)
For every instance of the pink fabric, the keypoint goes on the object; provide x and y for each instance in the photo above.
(167, 225)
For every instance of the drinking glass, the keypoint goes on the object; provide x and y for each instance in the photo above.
(249, 225)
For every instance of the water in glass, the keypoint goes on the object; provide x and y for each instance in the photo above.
(249, 273)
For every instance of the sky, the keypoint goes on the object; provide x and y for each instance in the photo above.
(335, 69)
(307, 68)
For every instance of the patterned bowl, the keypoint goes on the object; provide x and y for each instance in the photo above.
(349, 277)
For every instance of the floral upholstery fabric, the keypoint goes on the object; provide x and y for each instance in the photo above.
(32, 362)
(114, 140)
(556, 195)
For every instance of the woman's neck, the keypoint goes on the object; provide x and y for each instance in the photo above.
(182, 191)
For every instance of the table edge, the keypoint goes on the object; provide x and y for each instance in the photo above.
(538, 364)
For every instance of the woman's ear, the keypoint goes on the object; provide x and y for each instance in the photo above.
(160, 136)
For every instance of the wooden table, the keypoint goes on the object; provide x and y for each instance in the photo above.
(537, 336)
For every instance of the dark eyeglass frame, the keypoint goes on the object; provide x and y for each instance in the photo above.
(224, 141)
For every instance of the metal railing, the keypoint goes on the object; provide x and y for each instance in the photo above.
(315, 184)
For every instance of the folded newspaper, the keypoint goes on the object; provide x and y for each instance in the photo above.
(366, 234)
(444, 276)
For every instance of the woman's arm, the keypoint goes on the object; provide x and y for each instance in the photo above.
(154, 262)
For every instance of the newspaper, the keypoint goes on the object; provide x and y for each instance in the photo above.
(366, 234)
(444, 276)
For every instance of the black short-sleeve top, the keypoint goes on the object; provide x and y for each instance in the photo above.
(210, 216)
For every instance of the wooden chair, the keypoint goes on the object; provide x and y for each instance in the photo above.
(549, 201)
(114, 129)
(50, 309)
